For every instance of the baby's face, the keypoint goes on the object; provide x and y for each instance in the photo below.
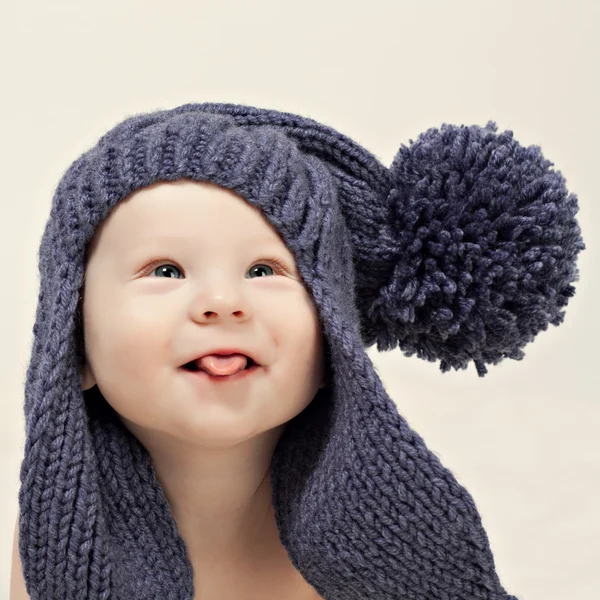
(179, 269)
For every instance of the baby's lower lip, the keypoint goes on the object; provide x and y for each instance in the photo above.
(217, 378)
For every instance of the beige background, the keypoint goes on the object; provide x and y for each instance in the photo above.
(523, 440)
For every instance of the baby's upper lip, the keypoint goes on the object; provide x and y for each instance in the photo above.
(225, 351)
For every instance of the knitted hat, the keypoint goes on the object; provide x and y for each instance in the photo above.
(462, 251)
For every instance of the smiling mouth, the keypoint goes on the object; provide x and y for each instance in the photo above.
(192, 366)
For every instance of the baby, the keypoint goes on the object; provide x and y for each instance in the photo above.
(202, 418)
(181, 271)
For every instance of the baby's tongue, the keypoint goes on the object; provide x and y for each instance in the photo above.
(221, 364)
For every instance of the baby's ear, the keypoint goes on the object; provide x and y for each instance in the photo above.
(88, 377)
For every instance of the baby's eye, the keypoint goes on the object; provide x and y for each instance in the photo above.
(260, 266)
(165, 268)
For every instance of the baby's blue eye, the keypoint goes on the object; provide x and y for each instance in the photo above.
(165, 268)
(259, 265)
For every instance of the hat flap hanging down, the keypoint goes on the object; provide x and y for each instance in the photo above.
(462, 251)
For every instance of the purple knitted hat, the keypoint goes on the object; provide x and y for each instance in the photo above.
(462, 251)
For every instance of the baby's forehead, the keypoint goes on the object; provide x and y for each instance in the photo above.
(187, 212)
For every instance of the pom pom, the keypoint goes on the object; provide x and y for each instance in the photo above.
(484, 243)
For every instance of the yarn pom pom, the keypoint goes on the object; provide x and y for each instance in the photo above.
(485, 241)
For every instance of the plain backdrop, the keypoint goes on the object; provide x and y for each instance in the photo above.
(524, 439)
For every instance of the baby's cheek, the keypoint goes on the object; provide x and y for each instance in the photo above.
(133, 371)
(142, 348)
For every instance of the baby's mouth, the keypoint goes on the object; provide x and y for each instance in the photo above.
(221, 365)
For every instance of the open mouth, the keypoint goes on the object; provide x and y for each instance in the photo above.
(192, 366)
